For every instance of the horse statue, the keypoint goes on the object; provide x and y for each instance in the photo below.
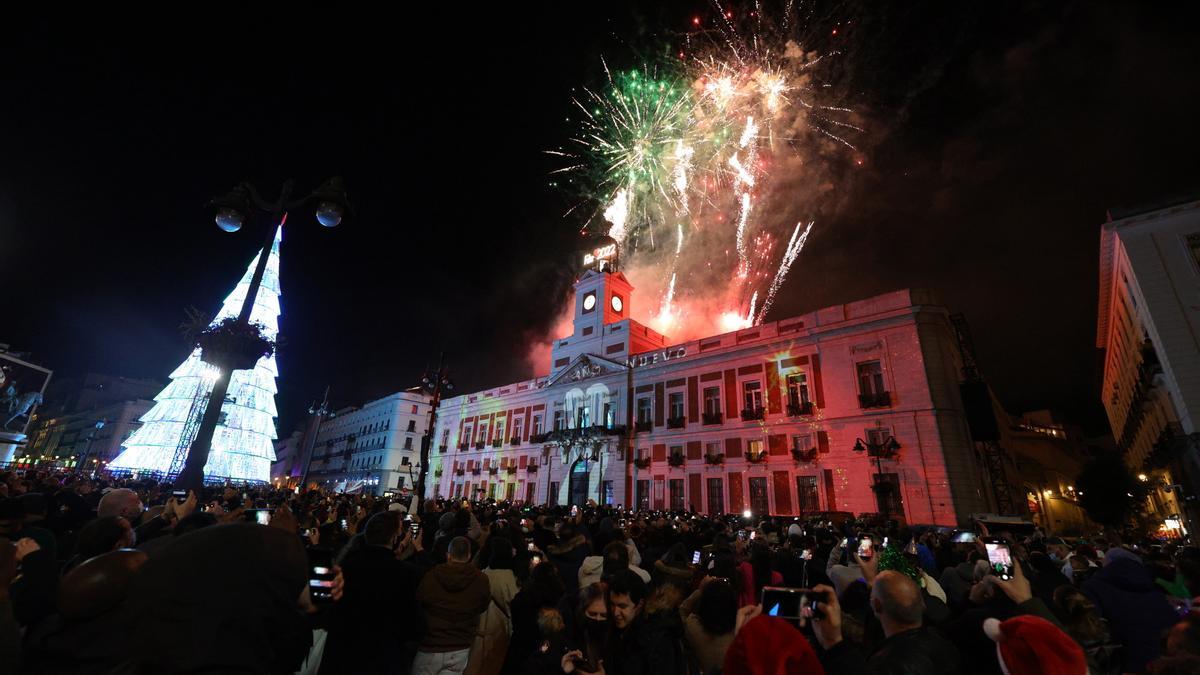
(22, 405)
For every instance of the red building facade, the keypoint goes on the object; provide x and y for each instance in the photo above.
(853, 408)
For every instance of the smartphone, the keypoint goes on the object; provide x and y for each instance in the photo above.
(999, 558)
(741, 535)
(965, 538)
(753, 534)
(866, 547)
(179, 495)
(806, 554)
(344, 525)
(845, 542)
(320, 575)
(260, 516)
(783, 603)
(531, 546)
(535, 561)
(885, 541)
(695, 557)
(574, 511)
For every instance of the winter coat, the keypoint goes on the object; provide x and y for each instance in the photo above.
(1138, 613)
(495, 625)
(377, 615)
(568, 557)
(749, 594)
(592, 568)
(708, 649)
(651, 645)
(913, 652)
(452, 596)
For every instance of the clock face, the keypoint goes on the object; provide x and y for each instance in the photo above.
(589, 302)
(617, 304)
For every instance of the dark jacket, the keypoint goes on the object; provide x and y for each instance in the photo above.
(377, 615)
(651, 645)
(452, 596)
(1138, 613)
(568, 557)
(222, 599)
(913, 652)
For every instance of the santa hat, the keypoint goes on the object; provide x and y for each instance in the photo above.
(1031, 645)
(768, 645)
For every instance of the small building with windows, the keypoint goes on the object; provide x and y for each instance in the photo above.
(373, 448)
(854, 407)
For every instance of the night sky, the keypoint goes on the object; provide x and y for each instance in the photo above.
(998, 135)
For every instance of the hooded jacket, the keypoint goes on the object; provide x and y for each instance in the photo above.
(1138, 613)
(452, 596)
(592, 569)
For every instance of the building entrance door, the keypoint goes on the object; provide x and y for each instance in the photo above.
(578, 494)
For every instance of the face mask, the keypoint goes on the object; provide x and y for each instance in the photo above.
(595, 627)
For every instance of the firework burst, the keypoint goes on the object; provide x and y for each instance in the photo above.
(682, 164)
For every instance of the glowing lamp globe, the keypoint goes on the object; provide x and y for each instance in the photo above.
(230, 219)
(329, 214)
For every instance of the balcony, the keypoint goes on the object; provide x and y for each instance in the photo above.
(437, 473)
(515, 440)
(476, 471)
(641, 426)
(642, 462)
(463, 446)
(716, 459)
(538, 439)
(881, 399)
(675, 460)
(676, 422)
(442, 448)
(804, 454)
(532, 468)
(458, 472)
(494, 470)
(799, 408)
(756, 457)
(512, 469)
(497, 443)
(752, 414)
(712, 418)
(479, 445)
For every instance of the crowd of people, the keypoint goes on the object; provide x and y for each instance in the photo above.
(127, 576)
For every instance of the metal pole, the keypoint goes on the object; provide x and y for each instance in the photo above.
(192, 475)
(427, 440)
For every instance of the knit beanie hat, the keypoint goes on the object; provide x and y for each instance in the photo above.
(1031, 645)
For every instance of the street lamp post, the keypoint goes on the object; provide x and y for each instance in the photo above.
(885, 448)
(232, 212)
(435, 383)
(87, 451)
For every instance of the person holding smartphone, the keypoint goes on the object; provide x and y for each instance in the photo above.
(379, 599)
(909, 646)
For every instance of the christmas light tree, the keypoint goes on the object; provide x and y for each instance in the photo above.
(241, 446)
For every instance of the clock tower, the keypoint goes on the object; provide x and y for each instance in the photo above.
(600, 298)
(602, 326)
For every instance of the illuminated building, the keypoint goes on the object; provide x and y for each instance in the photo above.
(767, 418)
(372, 448)
(1147, 327)
(241, 446)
